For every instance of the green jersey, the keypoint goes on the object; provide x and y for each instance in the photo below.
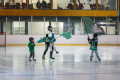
(31, 47)
(94, 43)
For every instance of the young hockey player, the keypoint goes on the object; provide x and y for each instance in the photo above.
(50, 43)
(31, 46)
(93, 47)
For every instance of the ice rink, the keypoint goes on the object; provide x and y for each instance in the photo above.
(72, 63)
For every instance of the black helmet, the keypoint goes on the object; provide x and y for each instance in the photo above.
(31, 38)
(95, 35)
(49, 27)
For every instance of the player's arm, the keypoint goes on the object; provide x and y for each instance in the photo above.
(33, 44)
(29, 45)
(89, 40)
(47, 37)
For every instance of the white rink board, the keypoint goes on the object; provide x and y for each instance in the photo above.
(2, 39)
(76, 39)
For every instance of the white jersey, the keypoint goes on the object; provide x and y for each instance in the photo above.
(49, 35)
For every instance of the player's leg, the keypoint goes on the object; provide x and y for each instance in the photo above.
(51, 51)
(91, 55)
(97, 55)
(30, 56)
(34, 56)
(46, 49)
(55, 48)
